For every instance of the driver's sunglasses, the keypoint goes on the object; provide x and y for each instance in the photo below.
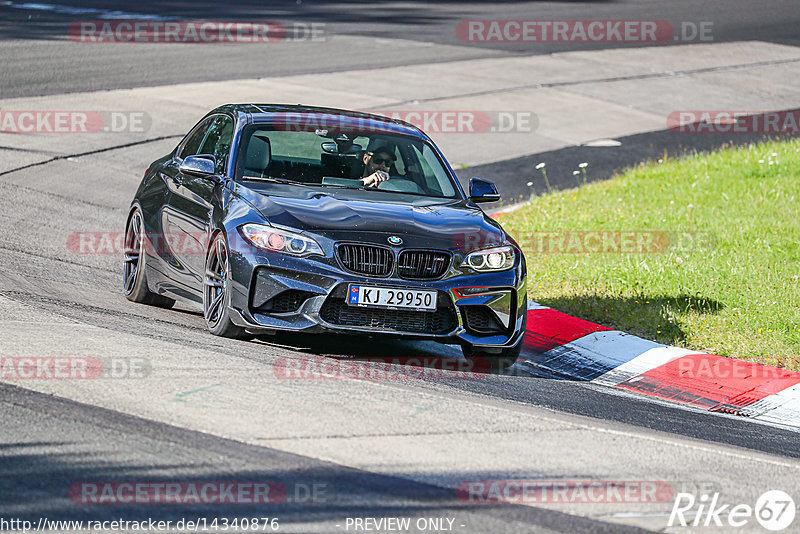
(383, 161)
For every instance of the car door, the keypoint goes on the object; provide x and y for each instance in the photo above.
(166, 263)
(190, 204)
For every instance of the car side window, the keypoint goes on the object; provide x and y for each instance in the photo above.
(191, 145)
(218, 142)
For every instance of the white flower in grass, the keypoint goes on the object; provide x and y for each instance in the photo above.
(529, 184)
(540, 166)
(583, 165)
(576, 173)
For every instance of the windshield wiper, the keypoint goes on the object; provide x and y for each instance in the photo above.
(338, 186)
(270, 179)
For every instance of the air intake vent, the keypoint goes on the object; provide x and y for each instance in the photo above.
(365, 259)
(422, 264)
(288, 301)
(481, 320)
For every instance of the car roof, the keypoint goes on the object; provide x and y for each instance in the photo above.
(266, 113)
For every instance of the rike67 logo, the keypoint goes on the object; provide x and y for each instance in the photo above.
(774, 510)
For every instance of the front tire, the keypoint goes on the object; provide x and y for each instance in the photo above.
(217, 293)
(134, 272)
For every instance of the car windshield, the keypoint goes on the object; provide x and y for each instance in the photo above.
(335, 159)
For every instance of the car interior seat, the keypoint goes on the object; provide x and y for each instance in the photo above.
(258, 157)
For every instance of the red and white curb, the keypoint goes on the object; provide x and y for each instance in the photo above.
(567, 347)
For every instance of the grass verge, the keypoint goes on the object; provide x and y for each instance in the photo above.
(701, 252)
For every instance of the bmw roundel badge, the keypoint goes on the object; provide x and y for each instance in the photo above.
(394, 240)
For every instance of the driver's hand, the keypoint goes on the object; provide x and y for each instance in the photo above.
(375, 178)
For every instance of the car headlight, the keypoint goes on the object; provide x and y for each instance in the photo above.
(490, 259)
(279, 240)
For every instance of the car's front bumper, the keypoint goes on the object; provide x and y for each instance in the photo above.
(480, 309)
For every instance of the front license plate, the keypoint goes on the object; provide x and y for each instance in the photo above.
(390, 297)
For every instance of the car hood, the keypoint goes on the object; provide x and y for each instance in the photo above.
(428, 223)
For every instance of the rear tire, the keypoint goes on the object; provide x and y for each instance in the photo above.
(499, 361)
(216, 292)
(134, 272)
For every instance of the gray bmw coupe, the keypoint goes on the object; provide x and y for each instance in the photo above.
(307, 219)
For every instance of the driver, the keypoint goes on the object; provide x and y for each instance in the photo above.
(375, 164)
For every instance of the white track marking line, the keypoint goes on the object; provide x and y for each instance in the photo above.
(646, 361)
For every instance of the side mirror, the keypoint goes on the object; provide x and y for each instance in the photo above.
(200, 165)
(482, 191)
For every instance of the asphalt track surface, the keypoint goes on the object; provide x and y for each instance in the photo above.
(48, 442)
(117, 445)
(39, 58)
